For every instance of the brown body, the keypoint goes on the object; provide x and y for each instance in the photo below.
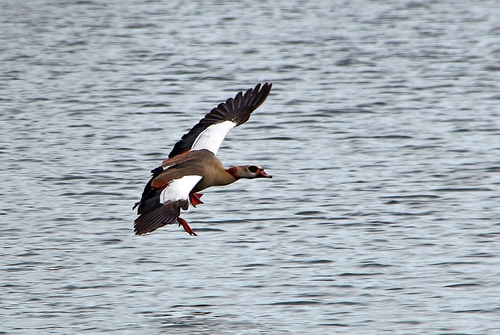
(200, 162)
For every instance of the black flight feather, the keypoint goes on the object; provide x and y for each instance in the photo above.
(158, 216)
(237, 109)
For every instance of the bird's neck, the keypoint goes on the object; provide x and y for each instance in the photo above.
(233, 174)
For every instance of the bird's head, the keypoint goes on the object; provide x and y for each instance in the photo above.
(248, 172)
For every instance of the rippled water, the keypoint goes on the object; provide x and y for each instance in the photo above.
(381, 132)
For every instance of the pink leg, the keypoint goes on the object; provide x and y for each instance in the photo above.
(195, 199)
(186, 226)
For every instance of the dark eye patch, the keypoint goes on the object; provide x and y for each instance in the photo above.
(253, 168)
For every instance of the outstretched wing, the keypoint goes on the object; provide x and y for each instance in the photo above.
(213, 128)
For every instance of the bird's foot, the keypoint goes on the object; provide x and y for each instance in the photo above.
(186, 226)
(194, 198)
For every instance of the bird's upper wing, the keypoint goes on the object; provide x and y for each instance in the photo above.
(213, 128)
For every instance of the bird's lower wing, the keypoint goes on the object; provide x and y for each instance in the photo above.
(164, 208)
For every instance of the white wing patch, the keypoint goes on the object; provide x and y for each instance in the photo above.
(212, 137)
(179, 189)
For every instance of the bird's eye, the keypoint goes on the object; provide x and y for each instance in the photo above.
(252, 168)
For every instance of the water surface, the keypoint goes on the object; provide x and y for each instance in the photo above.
(381, 133)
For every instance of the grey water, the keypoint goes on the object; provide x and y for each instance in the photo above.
(382, 133)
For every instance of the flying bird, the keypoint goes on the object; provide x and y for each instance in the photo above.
(192, 165)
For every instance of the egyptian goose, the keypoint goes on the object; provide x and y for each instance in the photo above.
(192, 165)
